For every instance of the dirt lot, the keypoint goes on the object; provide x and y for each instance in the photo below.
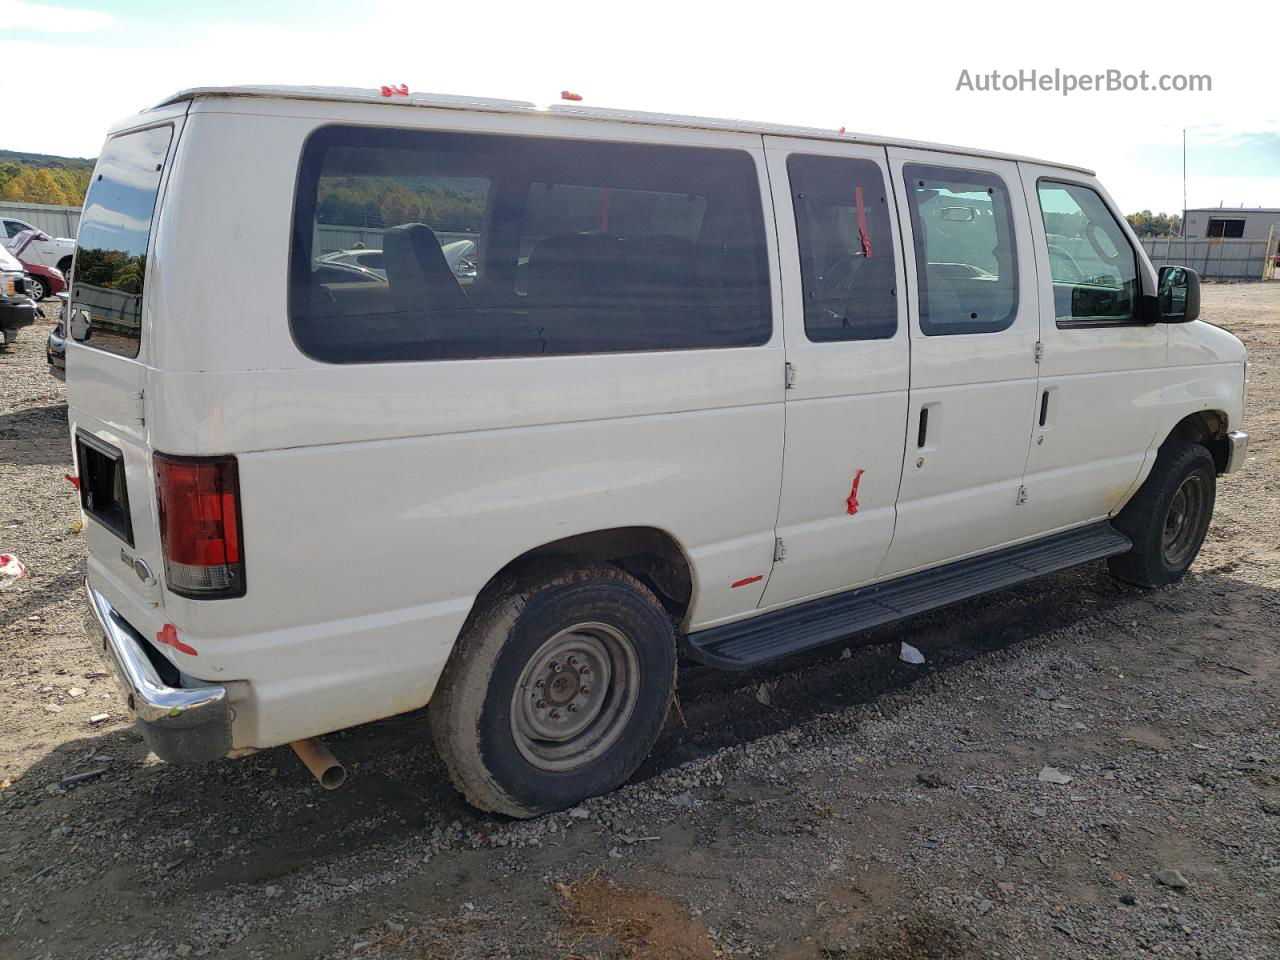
(843, 805)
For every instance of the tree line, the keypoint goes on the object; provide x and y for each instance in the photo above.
(1148, 224)
(387, 201)
(24, 183)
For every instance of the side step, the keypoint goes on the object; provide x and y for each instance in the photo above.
(748, 643)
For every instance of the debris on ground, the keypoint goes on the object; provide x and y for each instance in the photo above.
(909, 654)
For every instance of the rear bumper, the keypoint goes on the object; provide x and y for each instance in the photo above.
(179, 724)
(1237, 450)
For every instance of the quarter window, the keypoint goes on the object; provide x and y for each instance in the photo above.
(1093, 266)
(966, 263)
(111, 249)
(846, 250)
(474, 245)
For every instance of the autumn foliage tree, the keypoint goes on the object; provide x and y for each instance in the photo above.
(27, 184)
(1148, 224)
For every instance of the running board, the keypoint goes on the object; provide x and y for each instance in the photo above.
(748, 643)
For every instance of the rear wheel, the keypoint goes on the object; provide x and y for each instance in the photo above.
(64, 267)
(1168, 517)
(556, 690)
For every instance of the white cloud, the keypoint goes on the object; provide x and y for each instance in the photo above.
(27, 17)
(115, 221)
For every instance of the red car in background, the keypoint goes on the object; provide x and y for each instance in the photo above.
(42, 281)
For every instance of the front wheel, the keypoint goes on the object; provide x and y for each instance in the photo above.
(1168, 517)
(37, 289)
(555, 691)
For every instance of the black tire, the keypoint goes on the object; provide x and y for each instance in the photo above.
(64, 267)
(479, 716)
(37, 289)
(1168, 517)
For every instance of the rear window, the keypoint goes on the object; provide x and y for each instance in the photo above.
(111, 253)
(412, 245)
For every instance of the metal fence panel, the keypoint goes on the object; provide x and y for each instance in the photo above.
(57, 221)
(1213, 259)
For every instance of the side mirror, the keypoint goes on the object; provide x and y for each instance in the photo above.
(1178, 295)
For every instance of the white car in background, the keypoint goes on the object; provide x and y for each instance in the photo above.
(37, 246)
(460, 255)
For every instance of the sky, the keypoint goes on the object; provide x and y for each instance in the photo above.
(889, 69)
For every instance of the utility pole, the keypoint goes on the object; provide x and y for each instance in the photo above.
(1182, 227)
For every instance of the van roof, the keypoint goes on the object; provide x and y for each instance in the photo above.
(452, 102)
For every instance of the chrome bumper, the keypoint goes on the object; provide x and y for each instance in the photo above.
(180, 724)
(1237, 450)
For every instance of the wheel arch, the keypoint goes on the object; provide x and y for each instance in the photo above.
(1207, 428)
(651, 555)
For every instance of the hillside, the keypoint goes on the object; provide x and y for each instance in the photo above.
(43, 178)
(46, 160)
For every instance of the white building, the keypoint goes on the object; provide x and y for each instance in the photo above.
(1231, 224)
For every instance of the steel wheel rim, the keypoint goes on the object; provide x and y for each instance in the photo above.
(1184, 519)
(575, 696)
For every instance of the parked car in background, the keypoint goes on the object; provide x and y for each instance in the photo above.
(16, 309)
(55, 348)
(43, 281)
(32, 245)
(460, 255)
(359, 257)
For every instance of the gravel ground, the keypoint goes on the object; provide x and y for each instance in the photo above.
(841, 805)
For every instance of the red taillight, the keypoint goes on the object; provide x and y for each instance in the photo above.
(199, 500)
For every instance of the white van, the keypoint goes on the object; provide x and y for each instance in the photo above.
(708, 388)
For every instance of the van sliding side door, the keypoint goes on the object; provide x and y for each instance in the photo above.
(847, 357)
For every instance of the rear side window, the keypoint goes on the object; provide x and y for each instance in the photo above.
(966, 264)
(1094, 268)
(425, 245)
(111, 255)
(846, 251)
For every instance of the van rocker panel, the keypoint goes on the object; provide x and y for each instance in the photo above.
(794, 629)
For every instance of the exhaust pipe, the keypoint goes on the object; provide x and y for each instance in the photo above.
(329, 773)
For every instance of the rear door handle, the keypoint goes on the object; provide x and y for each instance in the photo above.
(1044, 407)
(923, 433)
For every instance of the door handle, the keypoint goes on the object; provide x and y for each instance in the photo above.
(923, 433)
(1044, 407)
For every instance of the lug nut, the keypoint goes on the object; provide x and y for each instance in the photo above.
(555, 714)
(540, 684)
(573, 661)
(585, 671)
(541, 704)
(572, 708)
(555, 666)
(584, 690)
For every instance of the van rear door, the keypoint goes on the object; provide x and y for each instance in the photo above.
(107, 365)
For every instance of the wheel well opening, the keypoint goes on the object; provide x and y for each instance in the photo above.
(650, 555)
(1207, 428)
